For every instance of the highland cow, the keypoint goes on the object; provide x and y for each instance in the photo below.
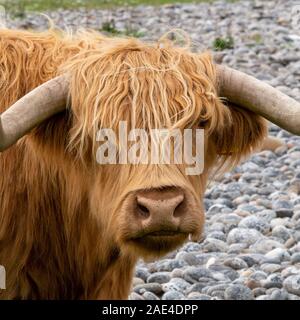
(73, 229)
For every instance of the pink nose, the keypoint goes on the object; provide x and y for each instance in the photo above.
(163, 208)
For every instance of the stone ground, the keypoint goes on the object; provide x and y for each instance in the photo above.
(251, 248)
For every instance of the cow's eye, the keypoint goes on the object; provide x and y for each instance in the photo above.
(203, 124)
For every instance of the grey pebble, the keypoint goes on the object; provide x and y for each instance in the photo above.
(265, 245)
(273, 281)
(198, 296)
(258, 292)
(238, 292)
(170, 264)
(292, 284)
(253, 222)
(189, 257)
(271, 267)
(258, 275)
(159, 277)
(241, 235)
(252, 259)
(277, 255)
(142, 273)
(263, 297)
(214, 245)
(135, 296)
(235, 263)
(173, 295)
(267, 215)
(152, 287)
(176, 284)
(150, 296)
(237, 248)
(226, 271)
(209, 290)
(281, 232)
(198, 287)
(295, 257)
(279, 294)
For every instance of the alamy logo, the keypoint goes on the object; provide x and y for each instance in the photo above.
(2, 277)
(296, 16)
(159, 146)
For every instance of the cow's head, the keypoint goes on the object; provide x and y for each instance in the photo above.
(147, 208)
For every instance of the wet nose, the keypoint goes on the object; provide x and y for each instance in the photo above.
(161, 206)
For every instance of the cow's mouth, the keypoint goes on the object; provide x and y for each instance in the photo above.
(162, 233)
(160, 241)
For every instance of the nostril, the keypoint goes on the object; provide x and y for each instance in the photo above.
(160, 206)
(143, 211)
(179, 210)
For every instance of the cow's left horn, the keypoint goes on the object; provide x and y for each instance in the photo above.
(259, 97)
(32, 109)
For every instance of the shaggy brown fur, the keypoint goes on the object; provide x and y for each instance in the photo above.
(61, 235)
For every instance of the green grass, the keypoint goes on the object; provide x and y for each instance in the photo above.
(221, 44)
(110, 28)
(42, 5)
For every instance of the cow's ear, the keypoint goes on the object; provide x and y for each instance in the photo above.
(242, 132)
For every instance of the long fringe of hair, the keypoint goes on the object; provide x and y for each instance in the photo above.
(149, 85)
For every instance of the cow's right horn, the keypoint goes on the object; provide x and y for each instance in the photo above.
(259, 97)
(32, 109)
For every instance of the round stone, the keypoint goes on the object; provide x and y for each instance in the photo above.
(217, 235)
(238, 292)
(136, 281)
(194, 274)
(215, 245)
(176, 284)
(253, 222)
(277, 255)
(267, 215)
(152, 287)
(159, 277)
(169, 264)
(265, 245)
(283, 208)
(273, 281)
(237, 248)
(135, 296)
(150, 296)
(291, 270)
(271, 267)
(263, 297)
(281, 232)
(252, 284)
(142, 273)
(241, 235)
(215, 209)
(189, 257)
(198, 296)
(253, 258)
(224, 270)
(292, 284)
(173, 295)
(279, 294)
(235, 263)
(295, 257)
(258, 292)
(259, 275)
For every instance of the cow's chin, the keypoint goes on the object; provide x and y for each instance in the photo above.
(156, 244)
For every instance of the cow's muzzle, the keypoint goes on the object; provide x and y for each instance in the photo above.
(159, 220)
